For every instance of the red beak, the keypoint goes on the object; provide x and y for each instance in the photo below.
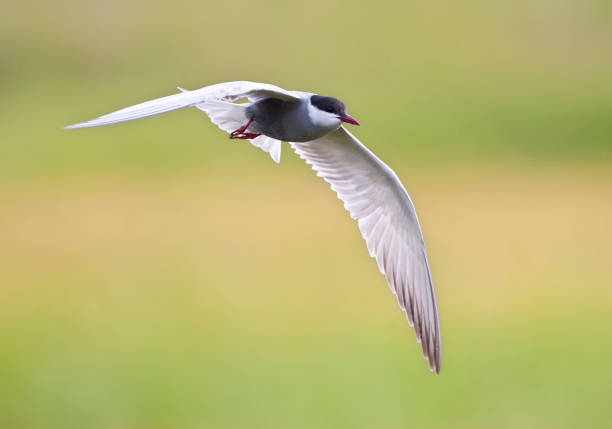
(349, 119)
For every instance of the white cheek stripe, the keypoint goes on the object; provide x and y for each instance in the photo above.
(320, 118)
(312, 112)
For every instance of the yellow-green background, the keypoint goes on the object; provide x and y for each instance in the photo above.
(156, 275)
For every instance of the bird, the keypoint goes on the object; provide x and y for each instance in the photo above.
(313, 125)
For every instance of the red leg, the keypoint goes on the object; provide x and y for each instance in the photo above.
(245, 136)
(241, 134)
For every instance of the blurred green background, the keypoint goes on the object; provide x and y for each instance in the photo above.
(154, 274)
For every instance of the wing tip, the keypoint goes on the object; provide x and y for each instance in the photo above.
(437, 367)
(434, 356)
(75, 126)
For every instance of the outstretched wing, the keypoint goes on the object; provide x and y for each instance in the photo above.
(375, 197)
(228, 91)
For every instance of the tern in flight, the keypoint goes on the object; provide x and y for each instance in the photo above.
(312, 124)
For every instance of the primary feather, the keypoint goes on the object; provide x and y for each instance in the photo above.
(215, 100)
(375, 197)
(229, 91)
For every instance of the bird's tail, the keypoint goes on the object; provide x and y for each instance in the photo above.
(231, 116)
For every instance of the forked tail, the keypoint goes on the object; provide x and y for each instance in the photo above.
(230, 116)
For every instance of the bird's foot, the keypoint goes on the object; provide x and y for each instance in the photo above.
(245, 136)
(241, 133)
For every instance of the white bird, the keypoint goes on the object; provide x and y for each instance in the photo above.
(370, 190)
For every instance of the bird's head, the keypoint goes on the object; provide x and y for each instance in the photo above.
(330, 110)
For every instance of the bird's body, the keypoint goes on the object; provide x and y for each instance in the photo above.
(370, 190)
(287, 121)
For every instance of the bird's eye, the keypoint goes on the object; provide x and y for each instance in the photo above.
(329, 110)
